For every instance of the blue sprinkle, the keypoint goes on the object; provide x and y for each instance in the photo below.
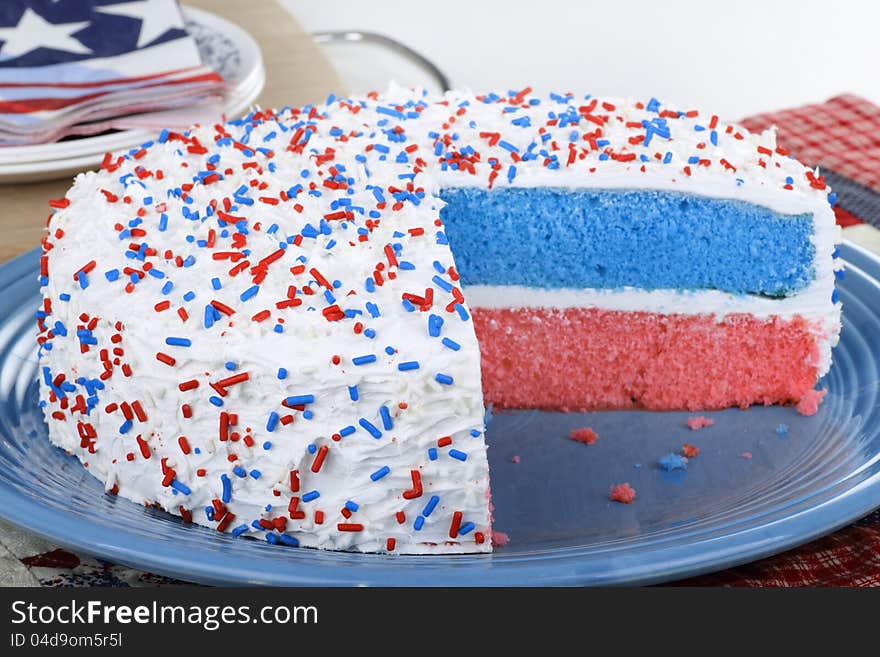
(272, 422)
(249, 293)
(452, 344)
(312, 448)
(431, 505)
(353, 392)
(238, 531)
(189, 296)
(215, 283)
(385, 414)
(346, 431)
(419, 523)
(370, 427)
(124, 428)
(226, 495)
(407, 305)
(291, 541)
(372, 308)
(457, 454)
(178, 342)
(439, 267)
(466, 528)
(217, 401)
(782, 431)
(409, 365)
(267, 445)
(308, 415)
(167, 287)
(441, 283)
(183, 488)
(352, 506)
(363, 360)
(311, 495)
(475, 433)
(230, 366)
(297, 400)
(445, 379)
(282, 373)
(432, 453)
(435, 323)
(278, 328)
(256, 474)
(381, 472)
(462, 313)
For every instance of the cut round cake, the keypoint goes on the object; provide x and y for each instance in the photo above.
(287, 325)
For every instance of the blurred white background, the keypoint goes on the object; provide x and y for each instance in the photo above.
(734, 58)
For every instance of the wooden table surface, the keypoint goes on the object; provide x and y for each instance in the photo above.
(297, 73)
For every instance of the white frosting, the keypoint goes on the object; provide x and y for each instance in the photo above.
(354, 134)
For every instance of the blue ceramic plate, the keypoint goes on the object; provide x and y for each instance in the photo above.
(725, 510)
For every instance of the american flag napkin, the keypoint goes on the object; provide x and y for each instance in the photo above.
(73, 66)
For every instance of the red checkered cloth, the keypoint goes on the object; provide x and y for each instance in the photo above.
(849, 557)
(842, 134)
(842, 137)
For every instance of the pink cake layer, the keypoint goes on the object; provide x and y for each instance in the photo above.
(588, 359)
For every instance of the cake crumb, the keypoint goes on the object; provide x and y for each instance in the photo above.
(672, 462)
(782, 431)
(515, 458)
(746, 455)
(499, 539)
(623, 493)
(809, 403)
(689, 450)
(583, 435)
(698, 422)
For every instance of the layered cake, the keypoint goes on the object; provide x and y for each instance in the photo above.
(287, 325)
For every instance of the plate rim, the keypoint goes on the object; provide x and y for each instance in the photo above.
(554, 568)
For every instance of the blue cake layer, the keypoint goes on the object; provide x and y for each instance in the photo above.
(553, 238)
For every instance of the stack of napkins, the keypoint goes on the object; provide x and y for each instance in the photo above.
(86, 66)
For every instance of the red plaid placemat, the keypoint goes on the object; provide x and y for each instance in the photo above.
(842, 134)
(842, 137)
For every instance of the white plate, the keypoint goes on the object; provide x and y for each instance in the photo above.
(224, 46)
